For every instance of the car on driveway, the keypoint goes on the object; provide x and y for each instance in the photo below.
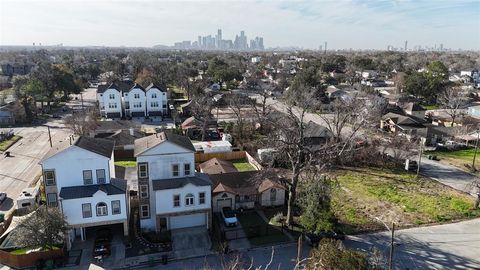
(314, 238)
(102, 243)
(229, 217)
(3, 196)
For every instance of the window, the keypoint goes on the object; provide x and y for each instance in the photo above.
(186, 168)
(52, 199)
(143, 191)
(273, 194)
(189, 199)
(86, 210)
(116, 207)
(142, 170)
(87, 177)
(102, 209)
(201, 198)
(101, 176)
(175, 170)
(137, 105)
(112, 105)
(136, 95)
(144, 211)
(176, 200)
(154, 104)
(164, 106)
(49, 178)
(111, 96)
(154, 95)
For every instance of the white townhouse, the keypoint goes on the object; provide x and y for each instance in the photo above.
(79, 177)
(110, 101)
(134, 102)
(156, 102)
(171, 195)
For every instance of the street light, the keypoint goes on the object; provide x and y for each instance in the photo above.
(390, 258)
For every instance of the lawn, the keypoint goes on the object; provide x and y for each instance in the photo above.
(25, 250)
(361, 195)
(458, 158)
(259, 232)
(242, 165)
(431, 107)
(4, 145)
(126, 163)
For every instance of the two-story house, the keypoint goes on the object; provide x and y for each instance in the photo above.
(110, 99)
(156, 98)
(134, 102)
(171, 194)
(79, 177)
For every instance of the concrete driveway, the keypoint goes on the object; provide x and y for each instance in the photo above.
(191, 242)
(450, 246)
(448, 175)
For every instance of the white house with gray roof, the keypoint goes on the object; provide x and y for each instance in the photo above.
(134, 102)
(110, 99)
(156, 98)
(171, 194)
(79, 177)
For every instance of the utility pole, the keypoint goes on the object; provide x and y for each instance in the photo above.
(299, 250)
(390, 258)
(49, 137)
(420, 156)
(475, 153)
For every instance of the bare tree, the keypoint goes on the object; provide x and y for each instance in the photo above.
(452, 101)
(82, 123)
(202, 106)
(262, 109)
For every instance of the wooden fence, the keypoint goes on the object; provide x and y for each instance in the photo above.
(29, 260)
(201, 157)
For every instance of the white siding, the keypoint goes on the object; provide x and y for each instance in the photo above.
(117, 100)
(280, 198)
(70, 163)
(161, 99)
(132, 100)
(164, 199)
(73, 209)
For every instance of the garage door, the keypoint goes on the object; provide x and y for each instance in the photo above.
(186, 221)
(223, 203)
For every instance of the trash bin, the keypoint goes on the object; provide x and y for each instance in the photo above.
(49, 264)
(2, 217)
(151, 261)
(165, 259)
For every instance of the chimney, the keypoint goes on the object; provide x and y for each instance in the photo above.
(131, 131)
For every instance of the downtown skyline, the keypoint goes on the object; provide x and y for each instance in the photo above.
(301, 24)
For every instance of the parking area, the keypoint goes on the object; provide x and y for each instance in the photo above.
(82, 251)
(191, 242)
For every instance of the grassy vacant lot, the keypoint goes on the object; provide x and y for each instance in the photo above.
(4, 145)
(259, 232)
(126, 163)
(458, 158)
(360, 195)
(242, 165)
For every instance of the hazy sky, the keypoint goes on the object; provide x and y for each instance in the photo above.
(357, 24)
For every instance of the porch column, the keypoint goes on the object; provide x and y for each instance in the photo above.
(125, 228)
(82, 233)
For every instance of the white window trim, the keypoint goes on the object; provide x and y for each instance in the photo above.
(140, 171)
(179, 200)
(178, 171)
(189, 169)
(53, 179)
(119, 207)
(104, 213)
(146, 191)
(141, 211)
(189, 200)
(104, 181)
(83, 212)
(204, 198)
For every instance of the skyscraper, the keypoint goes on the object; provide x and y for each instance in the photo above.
(219, 39)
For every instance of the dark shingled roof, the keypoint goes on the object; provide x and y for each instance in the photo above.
(152, 85)
(99, 146)
(313, 130)
(249, 182)
(136, 85)
(145, 143)
(101, 88)
(200, 179)
(116, 186)
(124, 86)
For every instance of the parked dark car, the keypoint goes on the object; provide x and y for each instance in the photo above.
(314, 238)
(102, 243)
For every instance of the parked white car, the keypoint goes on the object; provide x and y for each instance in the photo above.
(229, 217)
